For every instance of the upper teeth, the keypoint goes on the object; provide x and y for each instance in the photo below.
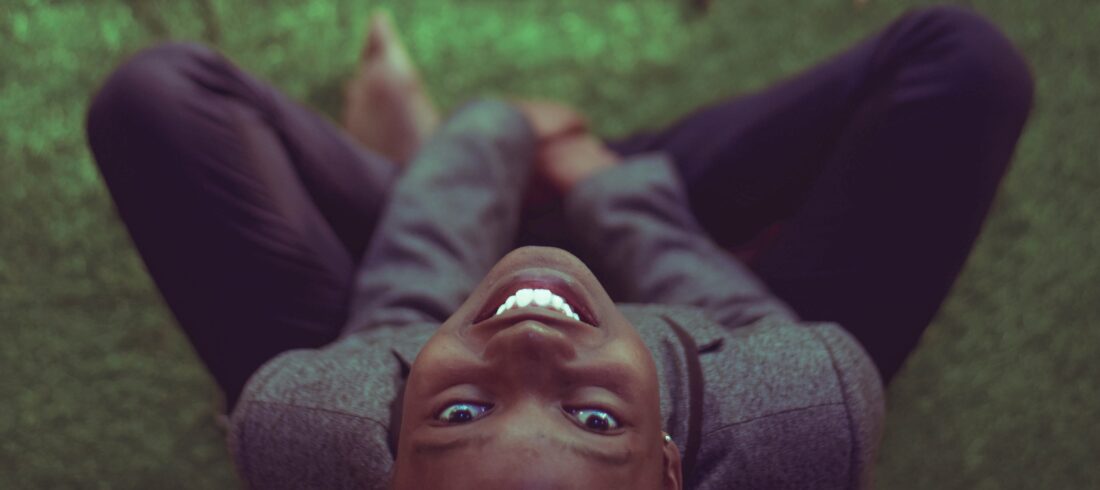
(538, 297)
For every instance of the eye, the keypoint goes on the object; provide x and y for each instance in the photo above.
(460, 413)
(594, 419)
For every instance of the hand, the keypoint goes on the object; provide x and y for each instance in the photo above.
(566, 161)
(567, 153)
(551, 120)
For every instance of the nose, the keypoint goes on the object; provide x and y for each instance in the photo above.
(528, 347)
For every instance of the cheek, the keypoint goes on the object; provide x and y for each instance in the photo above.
(635, 354)
(432, 360)
(644, 380)
(464, 315)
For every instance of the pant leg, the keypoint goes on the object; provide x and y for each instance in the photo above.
(249, 211)
(881, 165)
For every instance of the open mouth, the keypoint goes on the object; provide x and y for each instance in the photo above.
(539, 288)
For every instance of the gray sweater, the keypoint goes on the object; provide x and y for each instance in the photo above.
(753, 397)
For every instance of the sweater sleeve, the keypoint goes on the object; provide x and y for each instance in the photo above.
(634, 226)
(320, 418)
(451, 216)
(788, 406)
(864, 400)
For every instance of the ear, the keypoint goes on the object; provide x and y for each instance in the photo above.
(673, 474)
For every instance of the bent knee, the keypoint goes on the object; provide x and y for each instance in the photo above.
(146, 87)
(980, 63)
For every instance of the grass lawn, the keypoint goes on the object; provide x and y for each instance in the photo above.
(98, 388)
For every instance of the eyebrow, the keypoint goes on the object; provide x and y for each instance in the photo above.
(438, 448)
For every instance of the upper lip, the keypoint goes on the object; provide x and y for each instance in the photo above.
(557, 282)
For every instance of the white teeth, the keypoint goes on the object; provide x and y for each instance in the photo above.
(542, 297)
(523, 297)
(538, 297)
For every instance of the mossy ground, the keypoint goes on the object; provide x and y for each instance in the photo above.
(98, 388)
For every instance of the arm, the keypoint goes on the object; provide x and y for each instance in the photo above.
(451, 216)
(633, 224)
(864, 400)
(320, 417)
(788, 405)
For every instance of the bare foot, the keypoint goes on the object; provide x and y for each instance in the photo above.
(385, 106)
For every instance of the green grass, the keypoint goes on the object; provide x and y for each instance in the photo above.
(98, 388)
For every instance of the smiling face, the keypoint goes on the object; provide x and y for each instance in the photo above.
(532, 396)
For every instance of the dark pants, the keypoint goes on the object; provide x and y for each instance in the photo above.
(855, 190)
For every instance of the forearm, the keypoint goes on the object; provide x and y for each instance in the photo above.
(633, 222)
(450, 217)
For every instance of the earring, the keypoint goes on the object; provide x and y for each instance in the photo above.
(668, 438)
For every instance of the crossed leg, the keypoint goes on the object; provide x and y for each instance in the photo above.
(876, 167)
(248, 210)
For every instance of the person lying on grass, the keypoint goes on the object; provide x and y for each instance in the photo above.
(502, 299)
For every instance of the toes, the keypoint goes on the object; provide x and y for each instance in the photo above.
(382, 21)
(380, 35)
(373, 49)
(376, 45)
